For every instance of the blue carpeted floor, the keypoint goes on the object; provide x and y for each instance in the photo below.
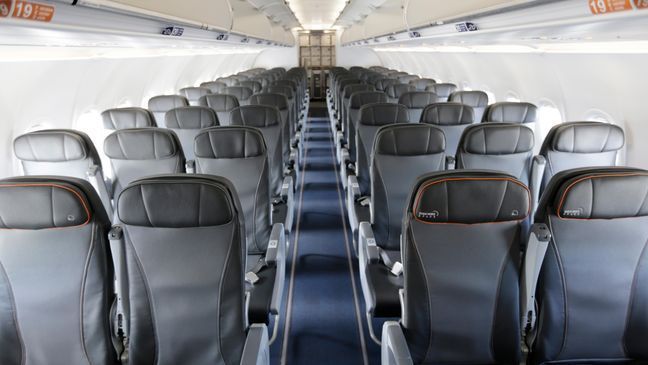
(323, 322)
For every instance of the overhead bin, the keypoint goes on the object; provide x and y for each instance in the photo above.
(386, 19)
(420, 13)
(249, 21)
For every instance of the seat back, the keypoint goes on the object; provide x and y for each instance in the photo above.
(229, 81)
(506, 147)
(511, 112)
(255, 86)
(130, 117)
(63, 152)
(159, 105)
(239, 154)
(357, 101)
(372, 118)
(394, 91)
(55, 273)
(595, 269)
(401, 153)
(186, 123)
(268, 120)
(185, 261)
(461, 254)
(193, 94)
(477, 100)
(383, 84)
(442, 90)
(581, 144)
(216, 87)
(346, 97)
(406, 79)
(140, 152)
(451, 118)
(416, 101)
(343, 82)
(421, 84)
(222, 104)
(280, 102)
(241, 93)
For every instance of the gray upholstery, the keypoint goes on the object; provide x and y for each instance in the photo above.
(506, 147)
(461, 244)
(62, 152)
(255, 86)
(216, 87)
(159, 105)
(406, 79)
(185, 259)
(343, 82)
(451, 118)
(268, 120)
(402, 153)
(56, 285)
(383, 84)
(346, 97)
(592, 291)
(421, 84)
(289, 93)
(187, 122)
(140, 152)
(442, 90)
(511, 112)
(222, 104)
(229, 81)
(372, 117)
(239, 154)
(280, 102)
(356, 102)
(416, 101)
(131, 117)
(241, 93)
(394, 91)
(193, 94)
(581, 144)
(478, 100)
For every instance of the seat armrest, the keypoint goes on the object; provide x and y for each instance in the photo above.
(451, 163)
(353, 194)
(394, 350)
(276, 257)
(369, 250)
(288, 198)
(257, 347)
(190, 167)
(537, 173)
(118, 254)
(535, 252)
(96, 179)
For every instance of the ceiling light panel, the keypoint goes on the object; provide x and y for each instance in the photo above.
(317, 14)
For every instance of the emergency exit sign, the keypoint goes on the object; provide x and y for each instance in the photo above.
(26, 10)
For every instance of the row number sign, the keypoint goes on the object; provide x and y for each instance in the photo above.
(26, 10)
(612, 6)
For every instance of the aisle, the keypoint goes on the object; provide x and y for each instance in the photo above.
(323, 323)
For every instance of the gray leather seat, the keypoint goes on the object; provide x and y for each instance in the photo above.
(229, 81)
(159, 105)
(442, 90)
(452, 119)
(407, 79)
(416, 101)
(357, 101)
(193, 94)
(477, 100)
(394, 91)
(401, 153)
(346, 97)
(461, 254)
(422, 84)
(130, 117)
(280, 102)
(511, 112)
(581, 144)
(186, 123)
(383, 84)
(57, 285)
(140, 152)
(216, 87)
(593, 284)
(182, 273)
(251, 84)
(63, 152)
(289, 93)
(222, 104)
(241, 93)
(341, 83)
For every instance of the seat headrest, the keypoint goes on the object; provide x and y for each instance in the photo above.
(164, 103)
(214, 86)
(54, 145)
(383, 84)
(178, 201)
(497, 139)
(271, 99)
(474, 98)
(254, 85)
(122, 118)
(276, 89)
(229, 81)
(448, 114)
(378, 114)
(285, 82)
(194, 93)
(366, 97)
(142, 144)
(422, 83)
(219, 102)
(258, 116)
(586, 137)
(417, 99)
(229, 142)
(409, 140)
(396, 90)
(469, 197)
(42, 202)
(241, 92)
(596, 193)
(511, 112)
(191, 117)
(442, 90)
(354, 88)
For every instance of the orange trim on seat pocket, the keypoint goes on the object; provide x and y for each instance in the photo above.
(423, 188)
